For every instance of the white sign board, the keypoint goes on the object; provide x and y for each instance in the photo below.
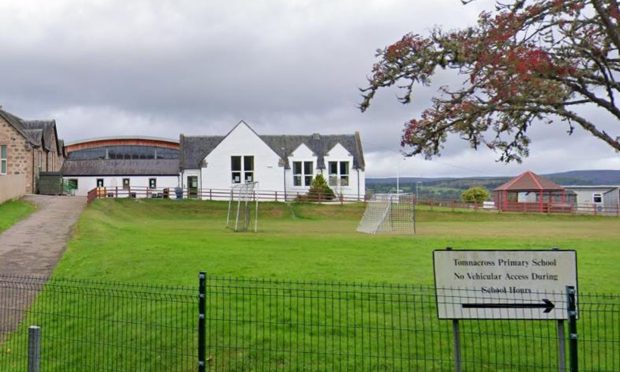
(503, 284)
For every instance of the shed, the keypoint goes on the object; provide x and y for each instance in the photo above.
(530, 192)
(597, 199)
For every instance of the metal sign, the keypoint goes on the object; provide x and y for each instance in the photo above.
(503, 284)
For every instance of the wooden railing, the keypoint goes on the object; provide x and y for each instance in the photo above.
(274, 195)
(217, 194)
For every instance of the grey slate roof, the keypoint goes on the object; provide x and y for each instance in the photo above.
(319, 144)
(48, 127)
(35, 136)
(37, 132)
(117, 167)
(14, 121)
(195, 148)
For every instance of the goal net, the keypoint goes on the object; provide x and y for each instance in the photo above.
(242, 208)
(389, 213)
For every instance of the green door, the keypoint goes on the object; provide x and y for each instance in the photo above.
(192, 186)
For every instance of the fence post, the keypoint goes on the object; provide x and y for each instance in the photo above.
(34, 349)
(572, 329)
(202, 307)
(457, 345)
(561, 346)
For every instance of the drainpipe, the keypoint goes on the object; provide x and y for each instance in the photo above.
(33, 166)
(358, 184)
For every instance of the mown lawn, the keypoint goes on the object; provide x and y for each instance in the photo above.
(302, 313)
(12, 211)
(169, 242)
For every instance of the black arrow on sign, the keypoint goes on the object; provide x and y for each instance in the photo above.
(547, 305)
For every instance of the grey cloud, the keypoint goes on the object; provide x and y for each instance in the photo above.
(197, 67)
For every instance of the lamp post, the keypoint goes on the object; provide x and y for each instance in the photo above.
(417, 184)
(284, 161)
(398, 176)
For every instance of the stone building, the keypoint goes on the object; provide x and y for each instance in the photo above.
(27, 148)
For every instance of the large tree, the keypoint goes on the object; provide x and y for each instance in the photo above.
(526, 62)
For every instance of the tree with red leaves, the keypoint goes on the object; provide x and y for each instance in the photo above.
(528, 62)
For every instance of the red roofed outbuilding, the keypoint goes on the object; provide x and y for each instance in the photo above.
(530, 192)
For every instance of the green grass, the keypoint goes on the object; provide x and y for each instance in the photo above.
(13, 211)
(168, 242)
(137, 240)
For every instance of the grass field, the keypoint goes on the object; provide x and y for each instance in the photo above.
(137, 240)
(12, 211)
(286, 321)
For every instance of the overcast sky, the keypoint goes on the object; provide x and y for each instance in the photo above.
(161, 68)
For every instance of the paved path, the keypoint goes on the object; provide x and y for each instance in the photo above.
(33, 246)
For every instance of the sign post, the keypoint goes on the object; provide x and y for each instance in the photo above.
(508, 284)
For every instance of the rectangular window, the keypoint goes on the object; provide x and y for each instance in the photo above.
(126, 184)
(99, 182)
(303, 172)
(152, 183)
(248, 168)
(333, 173)
(235, 166)
(3, 160)
(338, 172)
(72, 183)
(597, 198)
(242, 168)
(344, 173)
(297, 173)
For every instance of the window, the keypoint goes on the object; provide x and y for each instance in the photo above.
(126, 184)
(72, 183)
(242, 168)
(338, 173)
(597, 198)
(99, 182)
(3, 160)
(302, 173)
(152, 183)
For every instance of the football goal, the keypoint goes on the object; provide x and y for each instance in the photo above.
(242, 208)
(389, 213)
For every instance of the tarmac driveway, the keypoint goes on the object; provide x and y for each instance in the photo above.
(34, 245)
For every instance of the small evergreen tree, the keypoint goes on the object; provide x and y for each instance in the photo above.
(319, 190)
(475, 194)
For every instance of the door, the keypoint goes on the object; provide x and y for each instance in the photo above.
(192, 186)
(597, 200)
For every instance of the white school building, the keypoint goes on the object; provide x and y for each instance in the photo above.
(211, 165)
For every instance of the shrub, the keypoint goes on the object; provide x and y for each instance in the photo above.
(475, 194)
(319, 191)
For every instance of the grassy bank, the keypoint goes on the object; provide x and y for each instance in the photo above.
(137, 240)
(13, 211)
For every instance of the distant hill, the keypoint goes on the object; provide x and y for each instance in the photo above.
(451, 188)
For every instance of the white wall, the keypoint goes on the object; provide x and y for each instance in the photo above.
(242, 141)
(357, 180)
(302, 153)
(85, 184)
(190, 172)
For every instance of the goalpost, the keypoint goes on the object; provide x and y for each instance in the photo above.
(243, 194)
(389, 213)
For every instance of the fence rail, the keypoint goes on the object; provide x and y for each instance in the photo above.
(217, 194)
(264, 325)
(275, 195)
(97, 326)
